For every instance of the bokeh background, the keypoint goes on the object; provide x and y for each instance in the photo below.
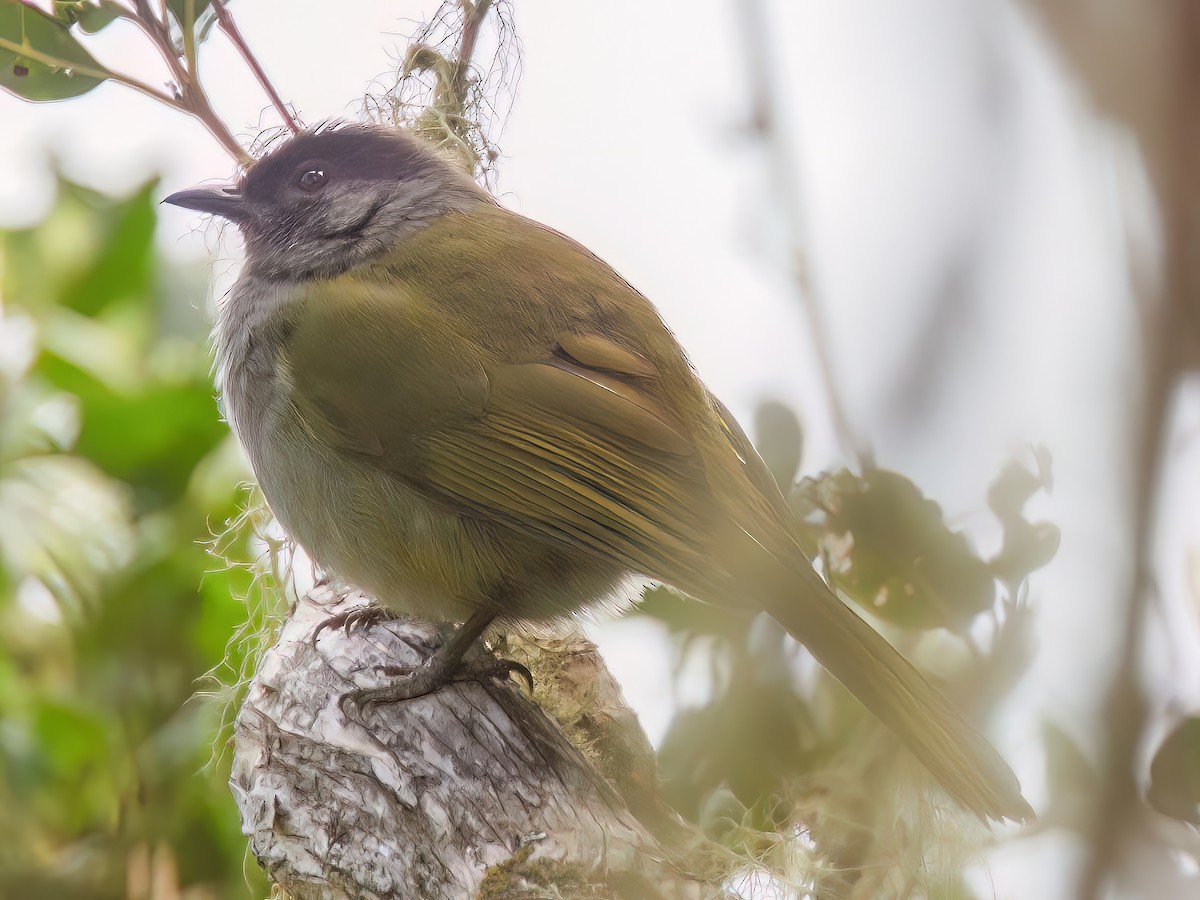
(976, 234)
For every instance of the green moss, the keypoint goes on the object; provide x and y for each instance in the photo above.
(521, 878)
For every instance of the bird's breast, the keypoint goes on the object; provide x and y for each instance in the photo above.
(353, 520)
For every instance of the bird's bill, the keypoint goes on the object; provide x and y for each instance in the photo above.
(222, 200)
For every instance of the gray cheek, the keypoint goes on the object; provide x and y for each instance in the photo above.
(348, 213)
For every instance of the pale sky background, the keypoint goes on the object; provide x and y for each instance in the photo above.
(918, 130)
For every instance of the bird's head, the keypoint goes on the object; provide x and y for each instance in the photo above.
(328, 200)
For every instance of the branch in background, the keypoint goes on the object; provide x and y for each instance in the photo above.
(1171, 153)
(783, 171)
(1161, 45)
(235, 36)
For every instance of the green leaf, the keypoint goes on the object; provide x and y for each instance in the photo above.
(201, 20)
(89, 16)
(888, 548)
(179, 9)
(70, 734)
(39, 58)
(98, 17)
(1175, 773)
(124, 259)
(105, 506)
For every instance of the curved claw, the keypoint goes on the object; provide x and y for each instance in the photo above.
(358, 617)
(505, 668)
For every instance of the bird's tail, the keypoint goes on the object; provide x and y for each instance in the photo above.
(961, 759)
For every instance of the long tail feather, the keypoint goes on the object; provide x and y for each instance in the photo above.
(961, 759)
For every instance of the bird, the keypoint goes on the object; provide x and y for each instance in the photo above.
(472, 417)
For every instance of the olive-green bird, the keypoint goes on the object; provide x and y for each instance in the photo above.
(470, 416)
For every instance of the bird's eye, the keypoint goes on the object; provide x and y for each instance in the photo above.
(312, 179)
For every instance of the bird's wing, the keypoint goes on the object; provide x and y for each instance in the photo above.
(565, 450)
(577, 445)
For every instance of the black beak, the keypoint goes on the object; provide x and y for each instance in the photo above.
(223, 201)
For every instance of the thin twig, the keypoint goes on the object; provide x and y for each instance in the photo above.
(474, 12)
(199, 106)
(160, 37)
(235, 36)
(189, 40)
(787, 193)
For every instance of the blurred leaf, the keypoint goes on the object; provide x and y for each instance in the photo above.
(40, 59)
(684, 616)
(89, 254)
(153, 438)
(113, 472)
(124, 261)
(1027, 545)
(779, 439)
(888, 548)
(1175, 773)
(745, 742)
(61, 519)
(1012, 488)
(71, 735)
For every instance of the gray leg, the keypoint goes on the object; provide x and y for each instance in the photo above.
(441, 668)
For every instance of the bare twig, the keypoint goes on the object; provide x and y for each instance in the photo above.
(235, 36)
(189, 39)
(198, 106)
(474, 12)
(1125, 707)
(756, 33)
(160, 37)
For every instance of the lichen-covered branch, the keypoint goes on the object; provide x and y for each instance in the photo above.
(470, 791)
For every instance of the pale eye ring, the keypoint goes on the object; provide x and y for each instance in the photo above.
(312, 179)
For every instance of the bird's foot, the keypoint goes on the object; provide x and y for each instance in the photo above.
(439, 670)
(359, 617)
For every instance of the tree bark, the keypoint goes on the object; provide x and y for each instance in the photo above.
(469, 792)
